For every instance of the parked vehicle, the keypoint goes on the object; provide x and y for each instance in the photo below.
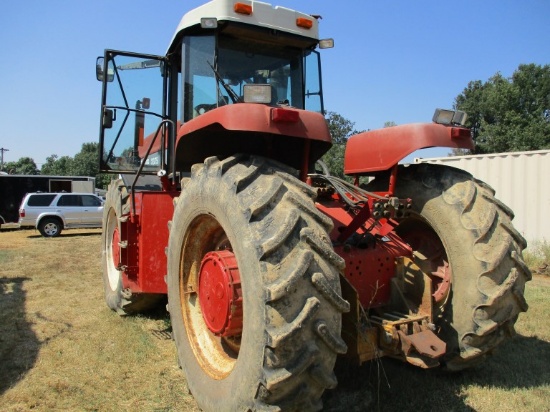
(271, 268)
(13, 189)
(51, 213)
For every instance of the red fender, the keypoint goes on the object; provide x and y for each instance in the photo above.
(379, 150)
(291, 136)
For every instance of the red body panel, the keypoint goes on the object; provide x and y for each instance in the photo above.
(257, 118)
(379, 150)
(147, 236)
(369, 270)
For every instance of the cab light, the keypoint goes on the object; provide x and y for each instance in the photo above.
(279, 115)
(303, 22)
(209, 22)
(242, 8)
(257, 93)
(449, 117)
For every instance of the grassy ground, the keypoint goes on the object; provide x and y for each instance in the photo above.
(62, 349)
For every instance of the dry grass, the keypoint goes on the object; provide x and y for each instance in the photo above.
(62, 349)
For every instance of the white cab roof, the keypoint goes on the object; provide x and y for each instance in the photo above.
(263, 14)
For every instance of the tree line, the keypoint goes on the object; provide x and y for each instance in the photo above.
(84, 163)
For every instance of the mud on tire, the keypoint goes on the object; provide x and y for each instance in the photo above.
(484, 253)
(124, 302)
(292, 304)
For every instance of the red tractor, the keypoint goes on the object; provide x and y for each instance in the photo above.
(273, 268)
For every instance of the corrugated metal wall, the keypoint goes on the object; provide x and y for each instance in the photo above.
(521, 181)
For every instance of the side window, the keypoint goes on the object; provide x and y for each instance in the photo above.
(199, 89)
(40, 200)
(90, 201)
(314, 100)
(69, 200)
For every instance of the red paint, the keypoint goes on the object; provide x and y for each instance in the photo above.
(220, 293)
(146, 234)
(258, 118)
(368, 269)
(115, 247)
(280, 115)
(379, 150)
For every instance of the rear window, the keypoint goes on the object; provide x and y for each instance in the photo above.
(89, 200)
(40, 200)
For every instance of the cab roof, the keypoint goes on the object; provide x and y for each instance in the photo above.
(263, 15)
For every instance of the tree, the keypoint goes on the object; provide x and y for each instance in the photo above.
(24, 166)
(57, 166)
(340, 129)
(509, 114)
(84, 163)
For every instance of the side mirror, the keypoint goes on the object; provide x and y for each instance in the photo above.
(108, 117)
(99, 74)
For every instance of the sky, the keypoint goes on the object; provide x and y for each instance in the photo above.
(393, 60)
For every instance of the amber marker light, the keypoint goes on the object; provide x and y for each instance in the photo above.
(303, 22)
(242, 8)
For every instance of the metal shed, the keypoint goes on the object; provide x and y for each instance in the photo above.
(521, 181)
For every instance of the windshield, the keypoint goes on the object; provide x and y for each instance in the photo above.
(239, 62)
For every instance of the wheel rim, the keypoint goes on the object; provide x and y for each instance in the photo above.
(50, 229)
(217, 354)
(430, 257)
(112, 249)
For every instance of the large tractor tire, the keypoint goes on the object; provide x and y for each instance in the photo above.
(464, 240)
(253, 288)
(123, 301)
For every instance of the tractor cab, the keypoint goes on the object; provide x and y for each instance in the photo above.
(248, 53)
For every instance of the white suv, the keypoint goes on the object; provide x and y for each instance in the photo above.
(50, 213)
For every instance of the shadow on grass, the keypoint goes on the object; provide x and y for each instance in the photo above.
(19, 345)
(390, 385)
(37, 235)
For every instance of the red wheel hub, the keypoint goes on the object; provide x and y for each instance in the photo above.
(115, 248)
(220, 294)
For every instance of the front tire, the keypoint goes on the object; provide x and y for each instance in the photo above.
(281, 354)
(464, 240)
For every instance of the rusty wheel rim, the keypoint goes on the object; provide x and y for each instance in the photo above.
(216, 354)
(430, 257)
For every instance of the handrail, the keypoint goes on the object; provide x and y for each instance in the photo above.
(162, 171)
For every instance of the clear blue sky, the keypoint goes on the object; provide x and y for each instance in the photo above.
(393, 60)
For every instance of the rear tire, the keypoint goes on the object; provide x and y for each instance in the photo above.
(479, 248)
(124, 302)
(283, 356)
(50, 227)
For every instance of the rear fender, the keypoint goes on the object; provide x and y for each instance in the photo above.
(379, 150)
(292, 136)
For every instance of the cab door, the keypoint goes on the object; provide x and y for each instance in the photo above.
(91, 210)
(133, 109)
(69, 207)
